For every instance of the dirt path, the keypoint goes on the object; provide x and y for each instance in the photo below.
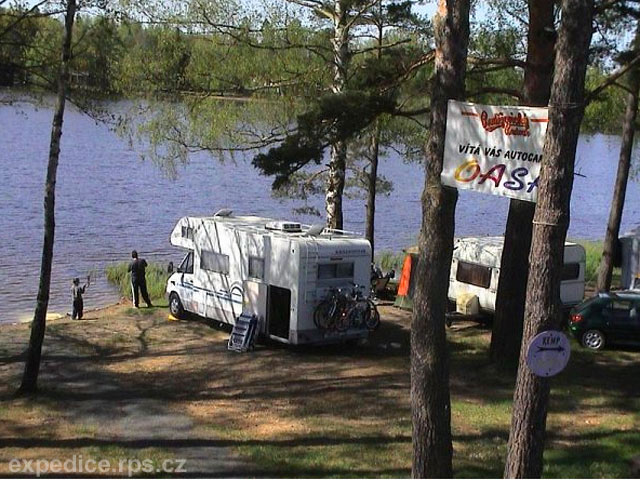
(103, 411)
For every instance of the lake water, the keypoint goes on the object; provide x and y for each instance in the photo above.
(109, 202)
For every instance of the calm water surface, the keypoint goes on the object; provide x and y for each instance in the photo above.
(109, 202)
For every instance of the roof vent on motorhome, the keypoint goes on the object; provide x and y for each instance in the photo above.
(290, 227)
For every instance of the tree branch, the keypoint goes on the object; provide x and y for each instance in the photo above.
(423, 60)
(611, 79)
(502, 62)
(381, 47)
(24, 15)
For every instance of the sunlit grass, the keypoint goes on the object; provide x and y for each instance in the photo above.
(389, 260)
(593, 250)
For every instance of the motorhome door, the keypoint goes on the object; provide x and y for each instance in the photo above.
(279, 312)
(255, 301)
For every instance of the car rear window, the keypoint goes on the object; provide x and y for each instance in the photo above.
(593, 302)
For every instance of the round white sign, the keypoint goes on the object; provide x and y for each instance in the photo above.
(548, 353)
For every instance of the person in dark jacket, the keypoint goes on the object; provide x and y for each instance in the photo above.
(76, 294)
(138, 280)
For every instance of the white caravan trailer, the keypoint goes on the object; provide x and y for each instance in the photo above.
(630, 244)
(276, 270)
(475, 270)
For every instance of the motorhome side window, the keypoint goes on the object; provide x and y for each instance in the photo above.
(214, 262)
(570, 271)
(187, 232)
(256, 267)
(187, 264)
(335, 270)
(473, 274)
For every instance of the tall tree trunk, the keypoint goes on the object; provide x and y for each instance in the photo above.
(506, 334)
(605, 270)
(430, 401)
(34, 351)
(372, 180)
(338, 162)
(550, 223)
(374, 154)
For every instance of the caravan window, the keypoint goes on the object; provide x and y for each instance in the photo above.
(187, 232)
(570, 271)
(335, 270)
(215, 262)
(256, 267)
(473, 274)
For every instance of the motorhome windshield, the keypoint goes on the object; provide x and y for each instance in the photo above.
(187, 264)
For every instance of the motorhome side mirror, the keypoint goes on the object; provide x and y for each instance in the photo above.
(170, 267)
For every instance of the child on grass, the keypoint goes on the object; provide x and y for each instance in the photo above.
(76, 294)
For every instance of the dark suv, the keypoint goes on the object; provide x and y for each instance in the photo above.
(607, 318)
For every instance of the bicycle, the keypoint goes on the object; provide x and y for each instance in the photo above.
(330, 314)
(363, 310)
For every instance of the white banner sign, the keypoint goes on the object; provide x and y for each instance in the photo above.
(496, 150)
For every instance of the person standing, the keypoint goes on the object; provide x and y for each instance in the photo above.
(138, 279)
(76, 294)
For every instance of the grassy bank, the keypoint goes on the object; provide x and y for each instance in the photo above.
(156, 279)
(593, 250)
(389, 260)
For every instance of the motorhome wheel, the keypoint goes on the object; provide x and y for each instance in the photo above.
(175, 305)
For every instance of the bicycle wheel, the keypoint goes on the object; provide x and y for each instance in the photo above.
(342, 317)
(322, 314)
(372, 320)
(355, 316)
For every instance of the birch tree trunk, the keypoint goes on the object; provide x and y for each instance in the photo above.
(430, 400)
(506, 334)
(338, 162)
(550, 223)
(34, 351)
(374, 155)
(605, 269)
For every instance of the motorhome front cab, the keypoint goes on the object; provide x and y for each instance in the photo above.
(475, 270)
(278, 271)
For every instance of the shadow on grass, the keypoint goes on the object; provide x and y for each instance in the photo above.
(320, 441)
(368, 383)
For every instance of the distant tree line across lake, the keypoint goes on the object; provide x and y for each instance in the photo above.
(117, 58)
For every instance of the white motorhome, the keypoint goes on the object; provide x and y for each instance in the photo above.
(475, 270)
(278, 271)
